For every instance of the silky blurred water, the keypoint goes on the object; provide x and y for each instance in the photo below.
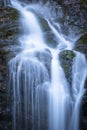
(40, 99)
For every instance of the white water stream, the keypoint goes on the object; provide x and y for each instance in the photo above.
(37, 99)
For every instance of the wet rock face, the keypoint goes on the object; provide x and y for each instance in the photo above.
(5, 115)
(66, 60)
(8, 41)
(75, 15)
(81, 44)
(9, 30)
(9, 25)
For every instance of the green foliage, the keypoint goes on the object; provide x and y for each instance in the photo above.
(83, 39)
(83, 1)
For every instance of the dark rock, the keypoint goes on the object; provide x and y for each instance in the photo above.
(8, 40)
(1, 77)
(50, 39)
(81, 44)
(9, 24)
(66, 60)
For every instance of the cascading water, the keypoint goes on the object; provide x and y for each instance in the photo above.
(42, 99)
(59, 103)
(79, 74)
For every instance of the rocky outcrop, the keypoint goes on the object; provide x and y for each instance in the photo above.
(66, 60)
(5, 120)
(81, 44)
(8, 41)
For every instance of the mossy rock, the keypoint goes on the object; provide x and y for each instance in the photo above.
(3, 52)
(43, 23)
(66, 60)
(50, 39)
(9, 23)
(8, 52)
(9, 13)
(81, 44)
(83, 1)
(82, 39)
(14, 14)
(10, 30)
(67, 54)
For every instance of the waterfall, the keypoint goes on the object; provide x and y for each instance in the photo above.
(6, 2)
(60, 100)
(23, 73)
(79, 74)
(42, 99)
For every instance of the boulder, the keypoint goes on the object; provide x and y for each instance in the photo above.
(66, 60)
(81, 44)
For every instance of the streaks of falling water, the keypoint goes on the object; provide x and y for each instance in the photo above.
(60, 101)
(79, 74)
(26, 75)
(37, 100)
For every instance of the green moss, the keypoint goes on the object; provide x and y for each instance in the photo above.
(10, 34)
(67, 54)
(12, 13)
(83, 31)
(9, 13)
(9, 26)
(81, 44)
(82, 40)
(83, 1)
(66, 58)
(4, 52)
